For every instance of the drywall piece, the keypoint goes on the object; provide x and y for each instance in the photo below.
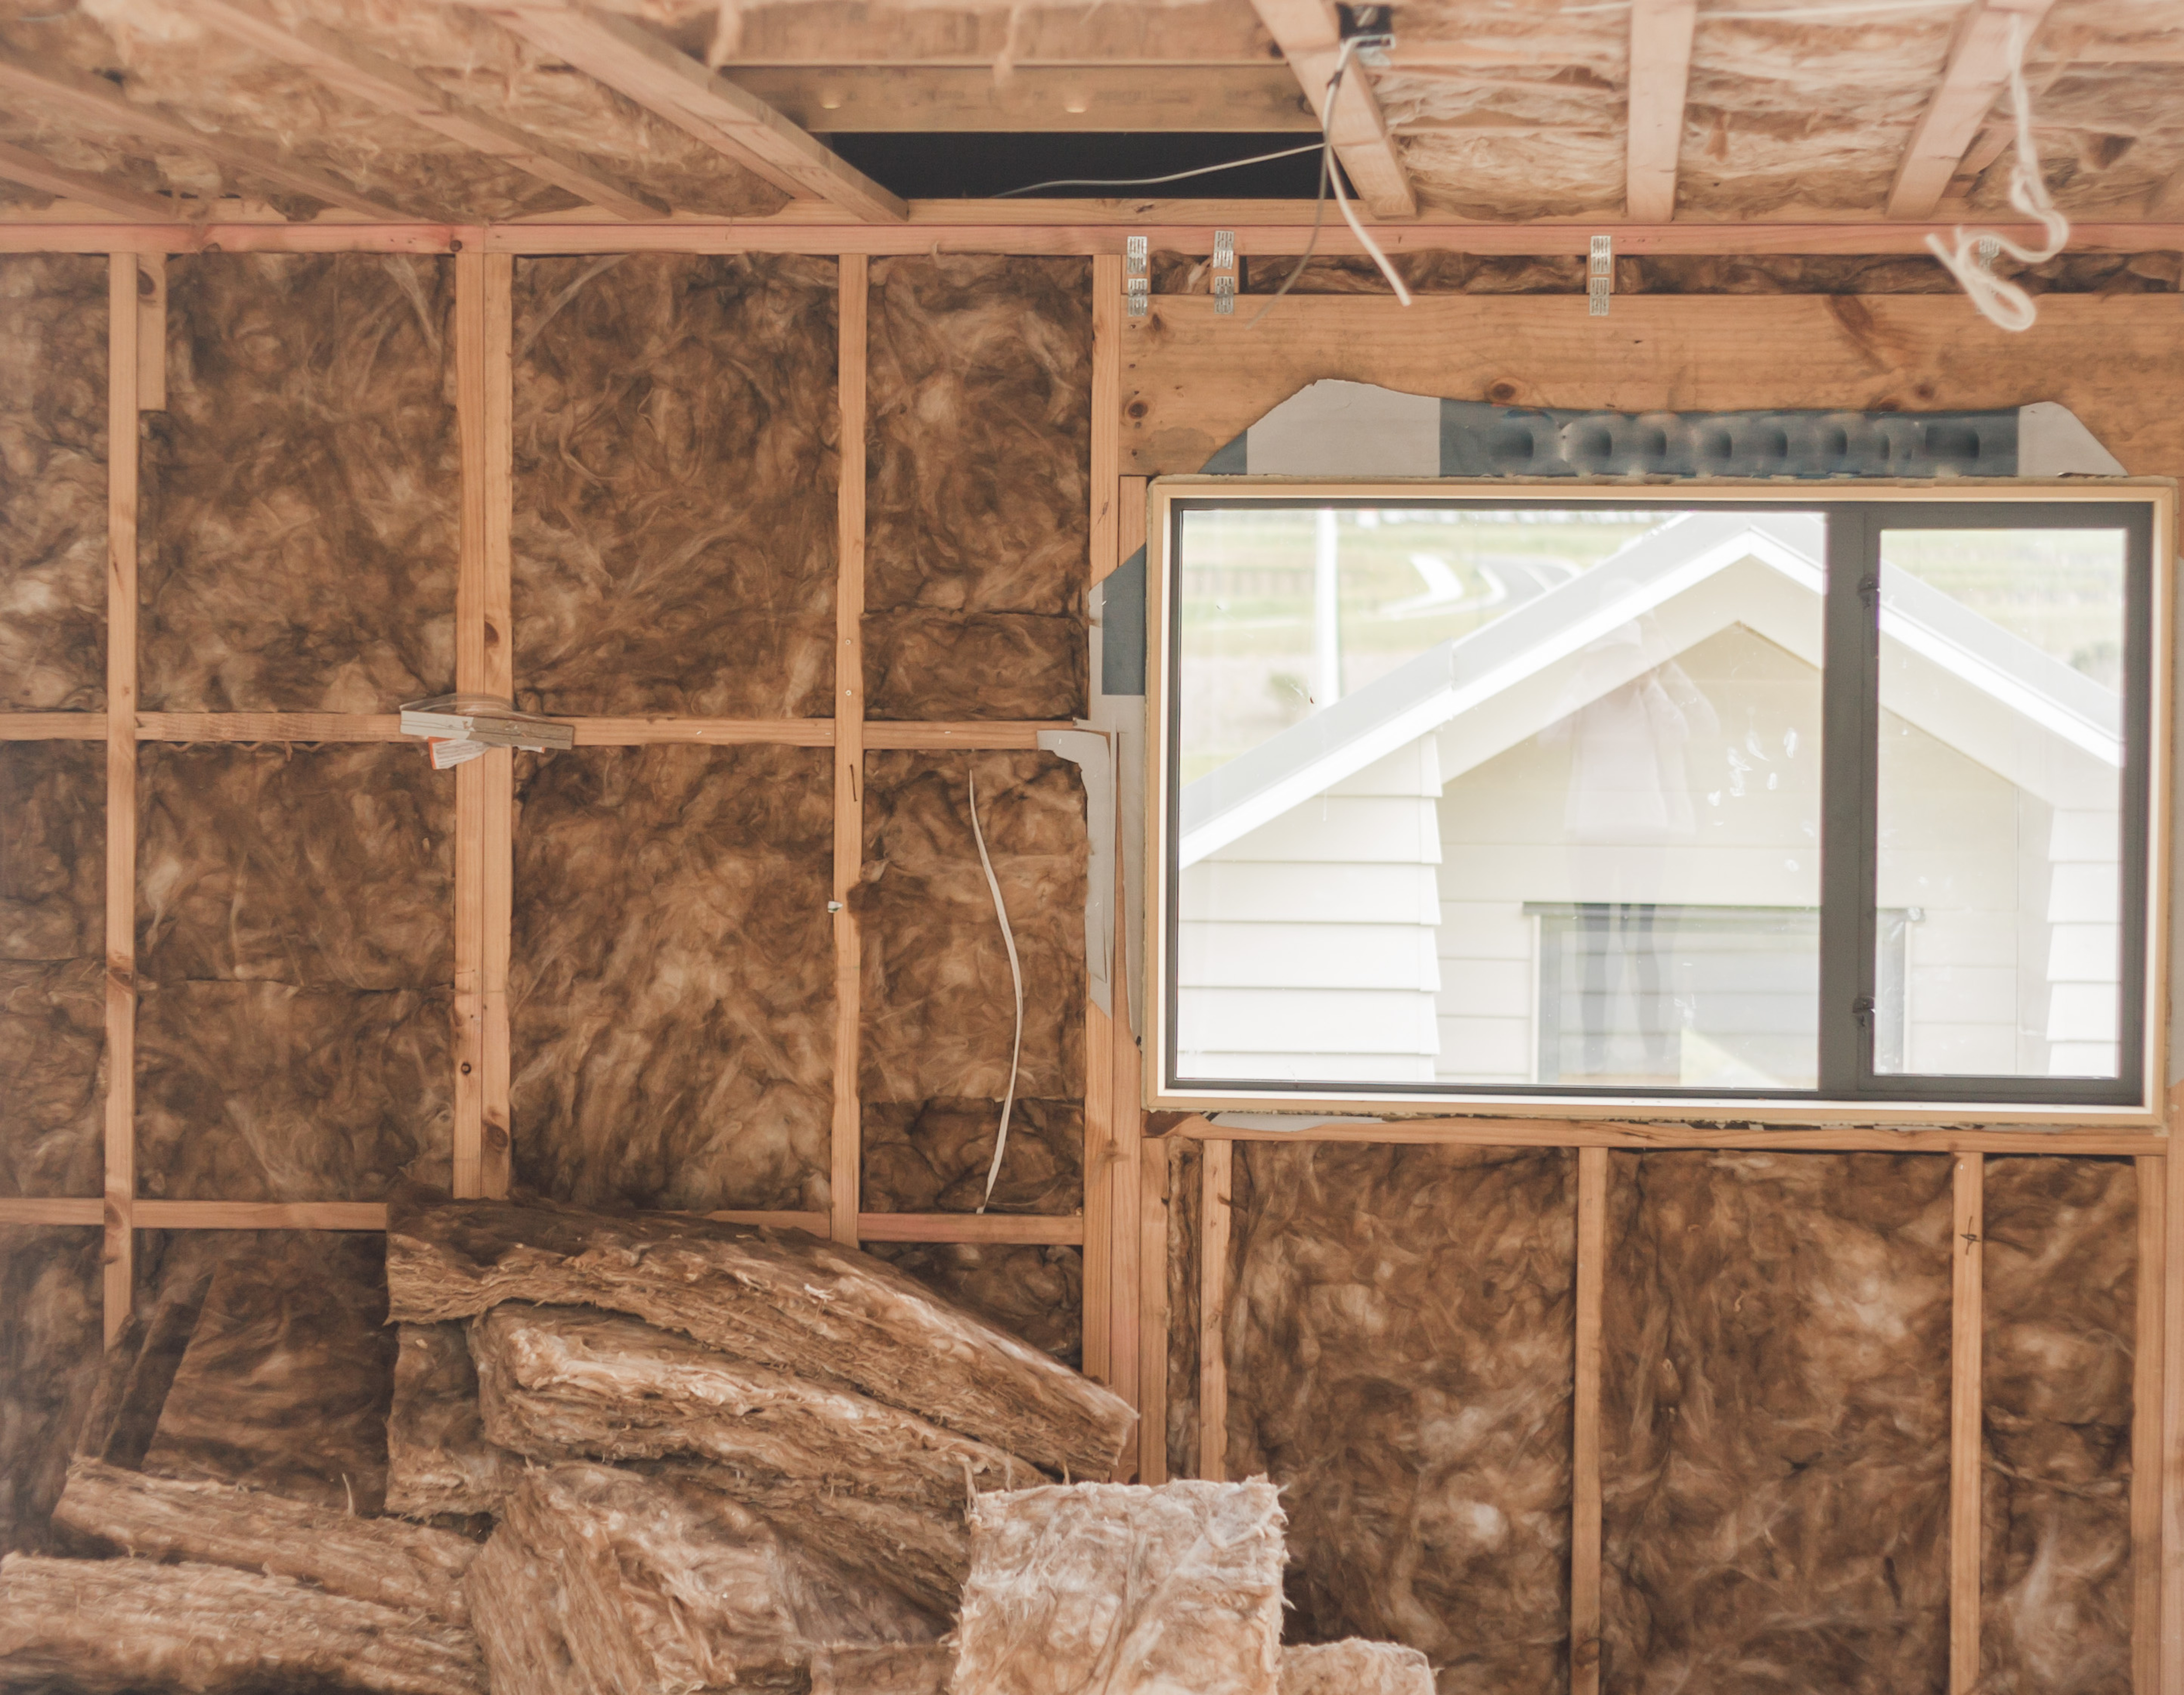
(666, 1584)
(977, 517)
(780, 1298)
(53, 968)
(1034, 1293)
(1123, 1590)
(932, 1156)
(300, 539)
(1400, 1361)
(670, 978)
(52, 482)
(646, 385)
(517, 1605)
(1775, 1396)
(101, 1625)
(439, 1458)
(1355, 1668)
(407, 1567)
(882, 1670)
(288, 1374)
(556, 1382)
(939, 1016)
(50, 1336)
(2061, 1306)
(2051, 442)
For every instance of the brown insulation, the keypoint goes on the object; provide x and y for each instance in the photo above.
(52, 975)
(1036, 1294)
(299, 539)
(779, 1298)
(1109, 1585)
(287, 1378)
(940, 1014)
(676, 453)
(1355, 1668)
(50, 1339)
(52, 482)
(2061, 1305)
(407, 1567)
(667, 1585)
(882, 1670)
(1774, 1423)
(114, 1626)
(1400, 1361)
(295, 946)
(1185, 1168)
(560, 1381)
(173, 1274)
(516, 1605)
(977, 525)
(671, 984)
(438, 1460)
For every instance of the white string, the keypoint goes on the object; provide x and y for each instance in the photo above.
(1971, 259)
(1342, 200)
(1016, 972)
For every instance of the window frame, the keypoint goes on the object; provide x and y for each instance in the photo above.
(1848, 1090)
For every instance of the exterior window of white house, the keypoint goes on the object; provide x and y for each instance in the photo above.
(1543, 792)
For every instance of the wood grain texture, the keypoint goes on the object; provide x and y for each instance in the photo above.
(1660, 72)
(1191, 380)
(1848, 1138)
(1585, 1421)
(121, 514)
(1214, 1176)
(852, 341)
(2147, 1374)
(2171, 1668)
(1310, 36)
(1153, 1315)
(1967, 1331)
(1977, 73)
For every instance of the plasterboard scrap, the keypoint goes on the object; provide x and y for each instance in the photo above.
(103, 1627)
(924, 1671)
(555, 1381)
(439, 1458)
(668, 1585)
(1334, 428)
(1123, 1590)
(1356, 1667)
(410, 1568)
(779, 1298)
(2051, 442)
(516, 1607)
(1093, 753)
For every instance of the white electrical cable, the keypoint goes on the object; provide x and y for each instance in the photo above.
(1153, 181)
(1016, 972)
(1342, 200)
(1971, 259)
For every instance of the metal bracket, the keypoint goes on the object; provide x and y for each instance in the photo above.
(1600, 275)
(1224, 272)
(1137, 282)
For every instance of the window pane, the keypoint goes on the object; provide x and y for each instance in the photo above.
(1476, 796)
(2001, 791)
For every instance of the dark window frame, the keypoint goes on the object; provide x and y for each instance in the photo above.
(1850, 766)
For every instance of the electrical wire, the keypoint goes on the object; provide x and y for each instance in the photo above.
(1341, 199)
(1152, 181)
(1016, 975)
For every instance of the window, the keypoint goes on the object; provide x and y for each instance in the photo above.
(1739, 794)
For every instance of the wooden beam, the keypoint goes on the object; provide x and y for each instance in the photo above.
(151, 334)
(2146, 1376)
(672, 86)
(2171, 1466)
(1660, 71)
(1260, 99)
(1133, 37)
(19, 165)
(269, 727)
(1310, 38)
(1216, 1168)
(938, 734)
(52, 727)
(1063, 1230)
(16, 1209)
(1483, 1132)
(600, 733)
(497, 677)
(351, 70)
(1590, 1283)
(846, 1166)
(122, 436)
(1967, 1343)
(261, 1215)
(1978, 71)
(1153, 1318)
(96, 103)
(811, 1223)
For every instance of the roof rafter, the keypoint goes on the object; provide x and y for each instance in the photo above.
(33, 171)
(92, 100)
(350, 69)
(674, 86)
(1978, 71)
(1660, 74)
(1310, 35)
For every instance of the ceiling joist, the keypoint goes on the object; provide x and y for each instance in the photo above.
(95, 104)
(674, 86)
(1050, 99)
(1309, 34)
(1661, 33)
(31, 171)
(351, 70)
(1978, 71)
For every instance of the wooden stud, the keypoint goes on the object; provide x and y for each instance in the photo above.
(1153, 1178)
(2146, 1388)
(261, 1215)
(269, 727)
(1215, 1172)
(1585, 1426)
(1967, 1342)
(1064, 1230)
(122, 427)
(2172, 1467)
(995, 734)
(16, 1209)
(151, 332)
(1978, 71)
(1097, 1339)
(811, 732)
(1661, 33)
(52, 727)
(20, 164)
(938, 733)
(497, 905)
(846, 1166)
